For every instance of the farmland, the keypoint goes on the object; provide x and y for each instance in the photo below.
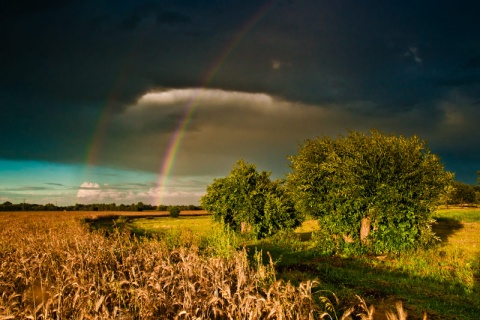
(107, 265)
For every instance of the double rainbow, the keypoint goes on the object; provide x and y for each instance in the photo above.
(178, 134)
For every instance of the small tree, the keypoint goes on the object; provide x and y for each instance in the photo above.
(378, 191)
(174, 211)
(248, 201)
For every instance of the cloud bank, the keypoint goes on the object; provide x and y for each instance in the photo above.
(225, 126)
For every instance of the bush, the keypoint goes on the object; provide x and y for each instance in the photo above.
(378, 191)
(174, 211)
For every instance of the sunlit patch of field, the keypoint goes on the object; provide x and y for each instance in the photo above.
(459, 229)
(465, 214)
(200, 225)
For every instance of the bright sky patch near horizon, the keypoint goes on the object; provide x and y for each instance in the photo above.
(151, 100)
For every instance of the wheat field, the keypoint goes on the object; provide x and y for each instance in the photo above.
(54, 267)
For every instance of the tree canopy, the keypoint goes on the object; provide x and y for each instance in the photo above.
(376, 190)
(248, 201)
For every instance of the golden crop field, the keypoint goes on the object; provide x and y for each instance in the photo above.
(54, 267)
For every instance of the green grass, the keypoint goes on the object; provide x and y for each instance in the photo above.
(460, 214)
(186, 231)
(199, 225)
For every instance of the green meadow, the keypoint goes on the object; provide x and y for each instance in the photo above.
(443, 281)
(200, 225)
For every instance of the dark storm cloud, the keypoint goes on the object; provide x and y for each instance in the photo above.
(458, 82)
(473, 62)
(23, 7)
(172, 17)
(162, 16)
(66, 64)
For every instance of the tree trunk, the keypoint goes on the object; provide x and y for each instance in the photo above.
(365, 229)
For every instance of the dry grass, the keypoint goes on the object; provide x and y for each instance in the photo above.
(53, 267)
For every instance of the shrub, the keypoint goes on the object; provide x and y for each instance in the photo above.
(174, 211)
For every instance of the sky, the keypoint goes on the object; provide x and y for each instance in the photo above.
(127, 101)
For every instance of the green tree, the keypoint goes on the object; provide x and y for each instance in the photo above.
(174, 211)
(375, 190)
(248, 201)
(463, 194)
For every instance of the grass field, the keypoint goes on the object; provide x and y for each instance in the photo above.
(444, 280)
(55, 264)
(200, 225)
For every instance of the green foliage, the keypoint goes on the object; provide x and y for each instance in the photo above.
(220, 242)
(391, 181)
(174, 211)
(462, 194)
(249, 202)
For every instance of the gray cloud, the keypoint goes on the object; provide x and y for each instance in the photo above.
(264, 129)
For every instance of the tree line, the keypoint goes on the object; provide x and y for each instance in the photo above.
(139, 206)
(463, 194)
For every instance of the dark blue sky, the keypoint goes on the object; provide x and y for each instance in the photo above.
(263, 76)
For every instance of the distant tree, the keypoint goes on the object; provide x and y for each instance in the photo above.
(49, 207)
(162, 207)
(248, 201)
(374, 190)
(463, 194)
(174, 211)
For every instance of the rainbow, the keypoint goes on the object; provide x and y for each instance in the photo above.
(178, 134)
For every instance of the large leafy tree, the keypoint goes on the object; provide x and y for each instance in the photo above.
(375, 190)
(248, 201)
